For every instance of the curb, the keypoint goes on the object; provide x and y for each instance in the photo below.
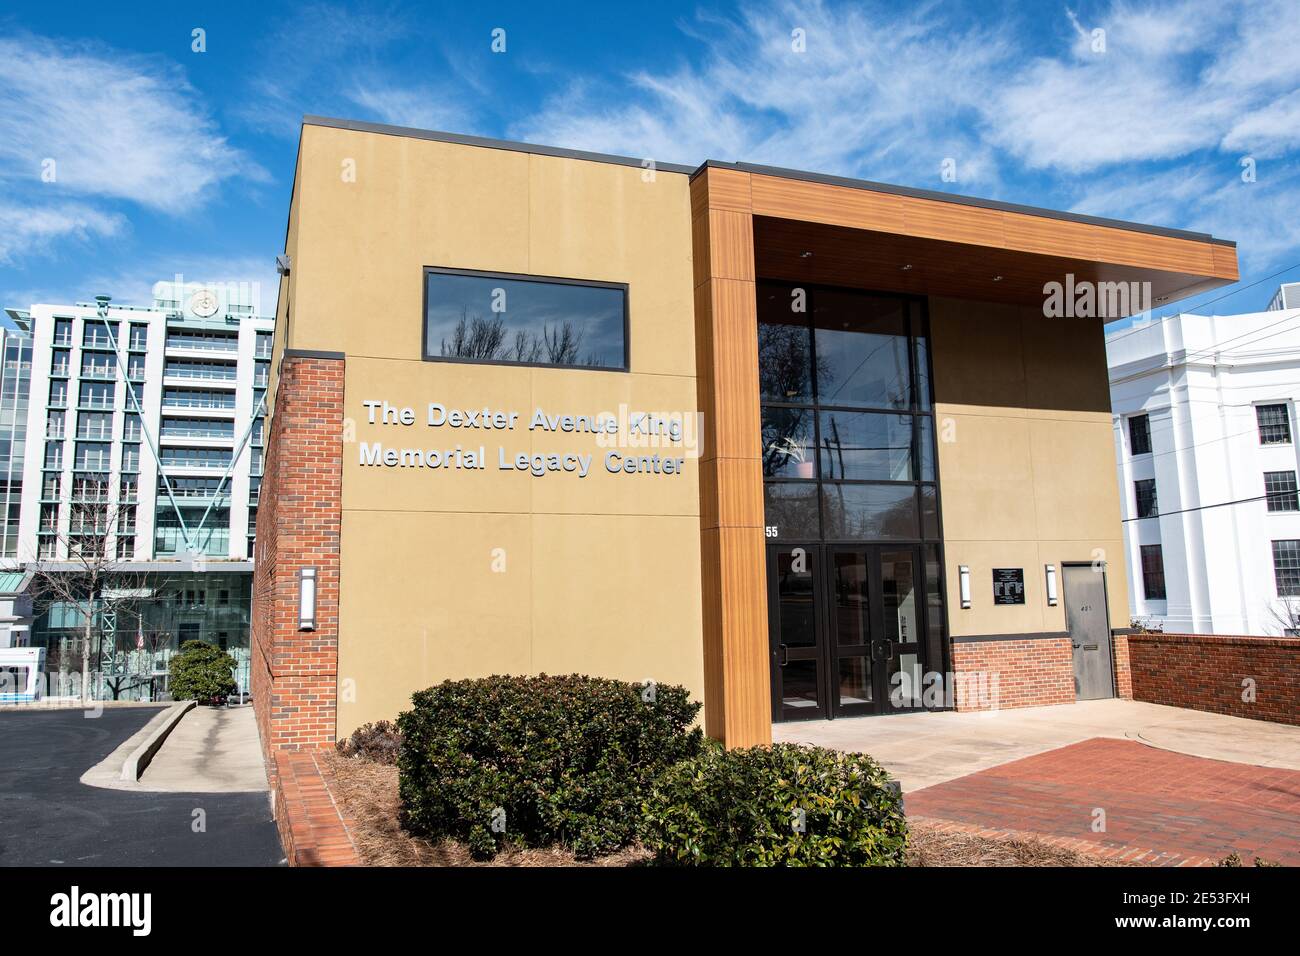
(158, 728)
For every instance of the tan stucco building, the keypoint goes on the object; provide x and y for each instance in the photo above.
(811, 447)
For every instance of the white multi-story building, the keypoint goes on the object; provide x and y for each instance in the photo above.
(158, 410)
(1205, 438)
(135, 433)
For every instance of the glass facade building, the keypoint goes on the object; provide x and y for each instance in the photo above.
(15, 386)
(147, 431)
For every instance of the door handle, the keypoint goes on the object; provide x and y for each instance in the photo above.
(782, 655)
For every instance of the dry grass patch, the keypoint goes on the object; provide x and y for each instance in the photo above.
(929, 846)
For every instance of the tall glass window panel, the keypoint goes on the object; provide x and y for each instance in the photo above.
(925, 447)
(862, 351)
(883, 512)
(934, 614)
(865, 446)
(784, 344)
(477, 317)
(922, 356)
(789, 443)
(929, 512)
(791, 508)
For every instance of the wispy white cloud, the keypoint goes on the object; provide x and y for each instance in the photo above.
(421, 107)
(872, 92)
(334, 59)
(104, 124)
(1145, 120)
(1170, 79)
(27, 229)
(133, 284)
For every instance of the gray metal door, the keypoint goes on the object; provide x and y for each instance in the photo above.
(1089, 624)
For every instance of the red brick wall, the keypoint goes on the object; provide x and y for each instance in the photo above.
(1207, 671)
(295, 673)
(993, 675)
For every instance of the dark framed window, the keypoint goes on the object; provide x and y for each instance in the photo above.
(1286, 567)
(508, 319)
(1139, 435)
(1280, 491)
(1274, 424)
(1144, 491)
(847, 422)
(1153, 572)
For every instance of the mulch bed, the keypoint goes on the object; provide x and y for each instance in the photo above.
(369, 792)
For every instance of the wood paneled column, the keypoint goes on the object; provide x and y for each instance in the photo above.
(737, 683)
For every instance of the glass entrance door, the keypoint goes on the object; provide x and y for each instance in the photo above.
(846, 630)
(852, 650)
(796, 630)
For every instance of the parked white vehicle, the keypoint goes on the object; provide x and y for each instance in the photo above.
(21, 671)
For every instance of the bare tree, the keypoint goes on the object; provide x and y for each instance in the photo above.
(92, 581)
(1286, 614)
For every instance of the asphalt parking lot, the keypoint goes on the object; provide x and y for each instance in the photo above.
(49, 818)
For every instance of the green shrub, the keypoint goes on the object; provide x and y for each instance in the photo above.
(202, 672)
(379, 742)
(787, 805)
(538, 761)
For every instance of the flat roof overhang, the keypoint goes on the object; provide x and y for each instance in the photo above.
(863, 235)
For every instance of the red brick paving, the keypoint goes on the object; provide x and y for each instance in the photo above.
(1161, 804)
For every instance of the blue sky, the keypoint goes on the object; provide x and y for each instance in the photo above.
(169, 160)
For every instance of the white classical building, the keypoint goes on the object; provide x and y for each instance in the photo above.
(1205, 439)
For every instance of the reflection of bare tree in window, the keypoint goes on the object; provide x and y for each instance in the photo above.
(476, 337)
(783, 362)
(787, 434)
(488, 339)
(562, 343)
(784, 367)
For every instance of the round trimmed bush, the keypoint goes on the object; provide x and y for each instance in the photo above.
(538, 761)
(378, 742)
(787, 805)
(202, 672)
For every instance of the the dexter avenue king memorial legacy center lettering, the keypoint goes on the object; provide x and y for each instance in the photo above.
(635, 433)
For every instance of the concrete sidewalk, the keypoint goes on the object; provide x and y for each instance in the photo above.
(925, 749)
(211, 750)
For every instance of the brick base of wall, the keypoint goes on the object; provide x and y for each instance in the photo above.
(996, 675)
(314, 828)
(1255, 677)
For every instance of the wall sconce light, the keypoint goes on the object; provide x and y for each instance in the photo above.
(963, 583)
(1051, 585)
(307, 599)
